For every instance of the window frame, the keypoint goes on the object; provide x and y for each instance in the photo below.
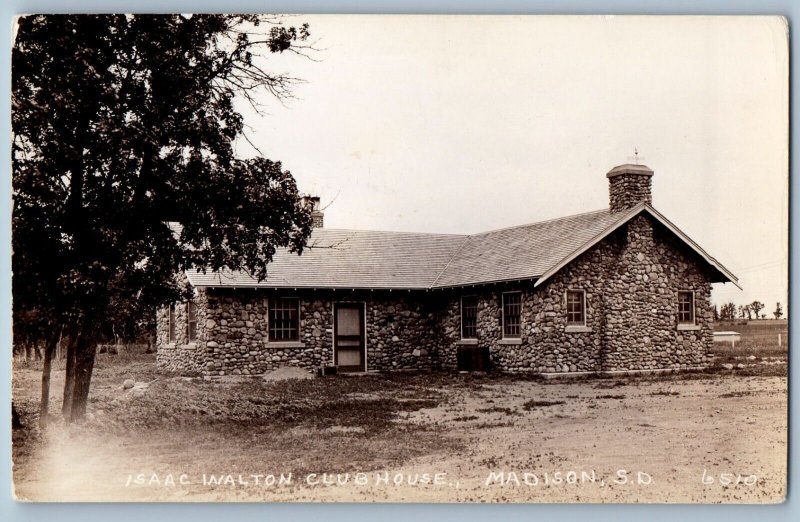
(270, 322)
(692, 307)
(172, 332)
(191, 336)
(503, 315)
(461, 313)
(583, 306)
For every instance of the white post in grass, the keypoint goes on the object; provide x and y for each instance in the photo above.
(779, 340)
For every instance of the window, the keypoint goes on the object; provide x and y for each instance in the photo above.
(686, 307)
(191, 321)
(512, 308)
(171, 334)
(283, 319)
(576, 308)
(469, 317)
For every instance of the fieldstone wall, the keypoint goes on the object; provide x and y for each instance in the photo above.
(181, 355)
(238, 335)
(631, 281)
(640, 300)
(401, 333)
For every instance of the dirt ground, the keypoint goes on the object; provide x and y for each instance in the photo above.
(710, 437)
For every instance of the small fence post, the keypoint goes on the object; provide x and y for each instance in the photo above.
(779, 340)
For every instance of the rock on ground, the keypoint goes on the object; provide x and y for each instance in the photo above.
(287, 372)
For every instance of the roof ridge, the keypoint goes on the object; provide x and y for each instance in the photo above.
(540, 222)
(466, 235)
(325, 229)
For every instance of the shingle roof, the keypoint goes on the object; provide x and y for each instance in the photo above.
(351, 259)
(521, 252)
(401, 260)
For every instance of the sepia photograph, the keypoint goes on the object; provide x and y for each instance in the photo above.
(400, 258)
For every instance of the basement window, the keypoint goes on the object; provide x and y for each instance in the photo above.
(191, 321)
(469, 317)
(576, 308)
(512, 310)
(284, 313)
(686, 307)
(171, 331)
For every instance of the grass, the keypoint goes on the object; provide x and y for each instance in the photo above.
(735, 394)
(425, 421)
(666, 393)
(498, 409)
(207, 413)
(367, 408)
(758, 338)
(531, 404)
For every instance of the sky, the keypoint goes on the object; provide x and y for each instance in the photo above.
(463, 124)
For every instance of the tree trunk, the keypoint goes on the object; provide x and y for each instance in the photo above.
(84, 364)
(16, 420)
(44, 407)
(69, 374)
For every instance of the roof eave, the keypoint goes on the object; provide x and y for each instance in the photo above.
(485, 283)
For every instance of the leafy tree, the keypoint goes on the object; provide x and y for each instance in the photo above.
(756, 307)
(728, 312)
(778, 313)
(745, 312)
(716, 313)
(122, 123)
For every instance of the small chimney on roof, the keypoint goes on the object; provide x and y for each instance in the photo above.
(312, 203)
(629, 185)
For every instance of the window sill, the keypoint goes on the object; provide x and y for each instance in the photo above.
(578, 329)
(285, 344)
(688, 327)
(467, 342)
(187, 346)
(511, 341)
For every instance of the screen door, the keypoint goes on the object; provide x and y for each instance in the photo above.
(349, 346)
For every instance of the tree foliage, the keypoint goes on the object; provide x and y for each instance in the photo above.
(778, 313)
(756, 307)
(122, 123)
(728, 312)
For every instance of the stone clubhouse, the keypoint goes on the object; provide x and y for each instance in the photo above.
(615, 290)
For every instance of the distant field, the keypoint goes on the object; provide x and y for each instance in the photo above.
(758, 337)
(762, 326)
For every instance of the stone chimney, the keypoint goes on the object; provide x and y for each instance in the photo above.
(317, 217)
(629, 185)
